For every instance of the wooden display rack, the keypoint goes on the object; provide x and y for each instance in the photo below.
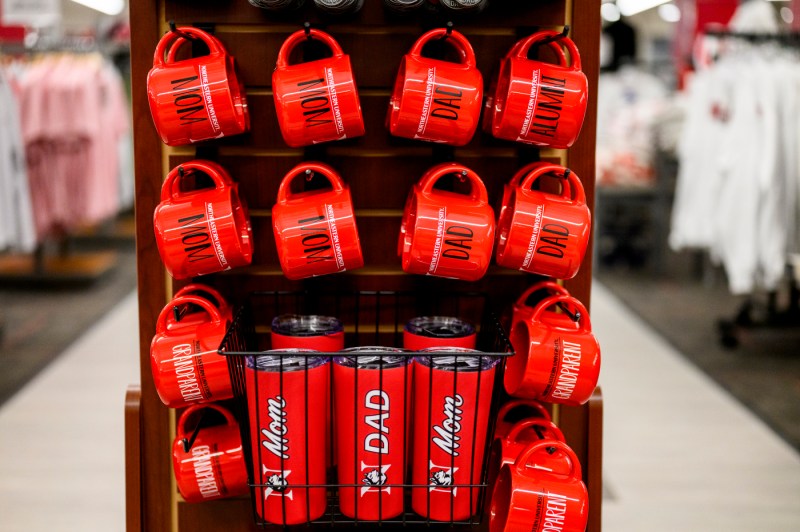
(380, 170)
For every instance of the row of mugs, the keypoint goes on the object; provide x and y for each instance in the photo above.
(443, 233)
(339, 7)
(434, 100)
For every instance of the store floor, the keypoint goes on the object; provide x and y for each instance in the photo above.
(680, 453)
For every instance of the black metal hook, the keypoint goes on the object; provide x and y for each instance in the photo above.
(448, 29)
(553, 38)
(181, 172)
(174, 29)
(309, 174)
(187, 444)
(307, 29)
(573, 316)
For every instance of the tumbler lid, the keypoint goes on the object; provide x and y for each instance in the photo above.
(439, 327)
(311, 325)
(373, 357)
(286, 360)
(450, 360)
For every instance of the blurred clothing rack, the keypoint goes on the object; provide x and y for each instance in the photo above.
(788, 38)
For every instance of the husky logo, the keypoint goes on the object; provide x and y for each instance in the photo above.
(441, 478)
(374, 478)
(276, 483)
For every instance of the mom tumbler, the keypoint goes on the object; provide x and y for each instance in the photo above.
(452, 400)
(288, 429)
(372, 394)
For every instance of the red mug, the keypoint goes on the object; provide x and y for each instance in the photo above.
(319, 333)
(544, 233)
(183, 355)
(195, 99)
(434, 100)
(541, 103)
(513, 183)
(438, 331)
(449, 234)
(213, 467)
(506, 450)
(452, 400)
(555, 360)
(535, 410)
(372, 393)
(315, 231)
(209, 294)
(316, 101)
(202, 231)
(526, 498)
(288, 430)
(527, 301)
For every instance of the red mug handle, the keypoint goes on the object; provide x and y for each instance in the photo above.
(477, 190)
(166, 312)
(518, 427)
(557, 49)
(284, 191)
(194, 288)
(172, 40)
(573, 192)
(461, 42)
(511, 405)
(170, 190)
(175, 48)
(524, 48)
(299, 36)
(180, 431)
(584, 321)
(552, 286)
(521, 463)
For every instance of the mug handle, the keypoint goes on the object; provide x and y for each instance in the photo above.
(574, 191)
(194, 288)
(173, 51)
(584, 321)
(511, 405)
(180, 430)
(173, 40)
(170, 190)
(557, 49)
(552, 286)
(575, 57)
(284, 191)
(521, 463)
(518, 427)
(477, 191)
(166, 312)
(299, 36)
(530, 167)
(461, 42)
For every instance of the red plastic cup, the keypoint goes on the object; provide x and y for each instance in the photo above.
(436, 100)
(555, 360)
(449, 234)
(213, 467)
(526, 498)
(372, 393)
(318, 333)
(533, 410)
(545, 233)
(288, 433)
(452, 400)
(438, 331)
(195, 99)
(202, 231)
(315, 231)
(540, 103)
(183, 354)
(316, 101)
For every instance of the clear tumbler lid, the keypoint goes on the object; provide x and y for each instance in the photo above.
(451, 359)
(439, 327)
(300, 325)
(286, 360)
(373, 357)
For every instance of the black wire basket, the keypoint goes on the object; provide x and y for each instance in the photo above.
(322, 491)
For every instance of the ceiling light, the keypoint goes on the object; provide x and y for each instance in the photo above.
(787, 15)
(669, 12)
(108, 7)
(609, 12)
(632, 7)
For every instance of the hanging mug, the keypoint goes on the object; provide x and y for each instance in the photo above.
(545, 233)
(435, 100)
(202, 231)
(535, 410)
(195, 99)
(449, 234)
(506, 450)
(526, 498)
(513, 183)
(183, 355)
(527, 301)
(213, 467)
(555, 361)
(209, 294)
(315, 231)
(316, 101)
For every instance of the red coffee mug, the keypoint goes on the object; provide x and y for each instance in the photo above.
(319, 333)
(526, 498)
(541, 103)
(545, 233)
(202, 231)
(183, 355)
(555, 361)
(287, 392)
(513, 183)
(527, 301)
(449, 234)
(438, 331)
(209, 294)
(213, 467)
(506, 450)
(436, 100)
(504, 425)
(372, 393)
(195, 99)
(316, 101)
(315, 231)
